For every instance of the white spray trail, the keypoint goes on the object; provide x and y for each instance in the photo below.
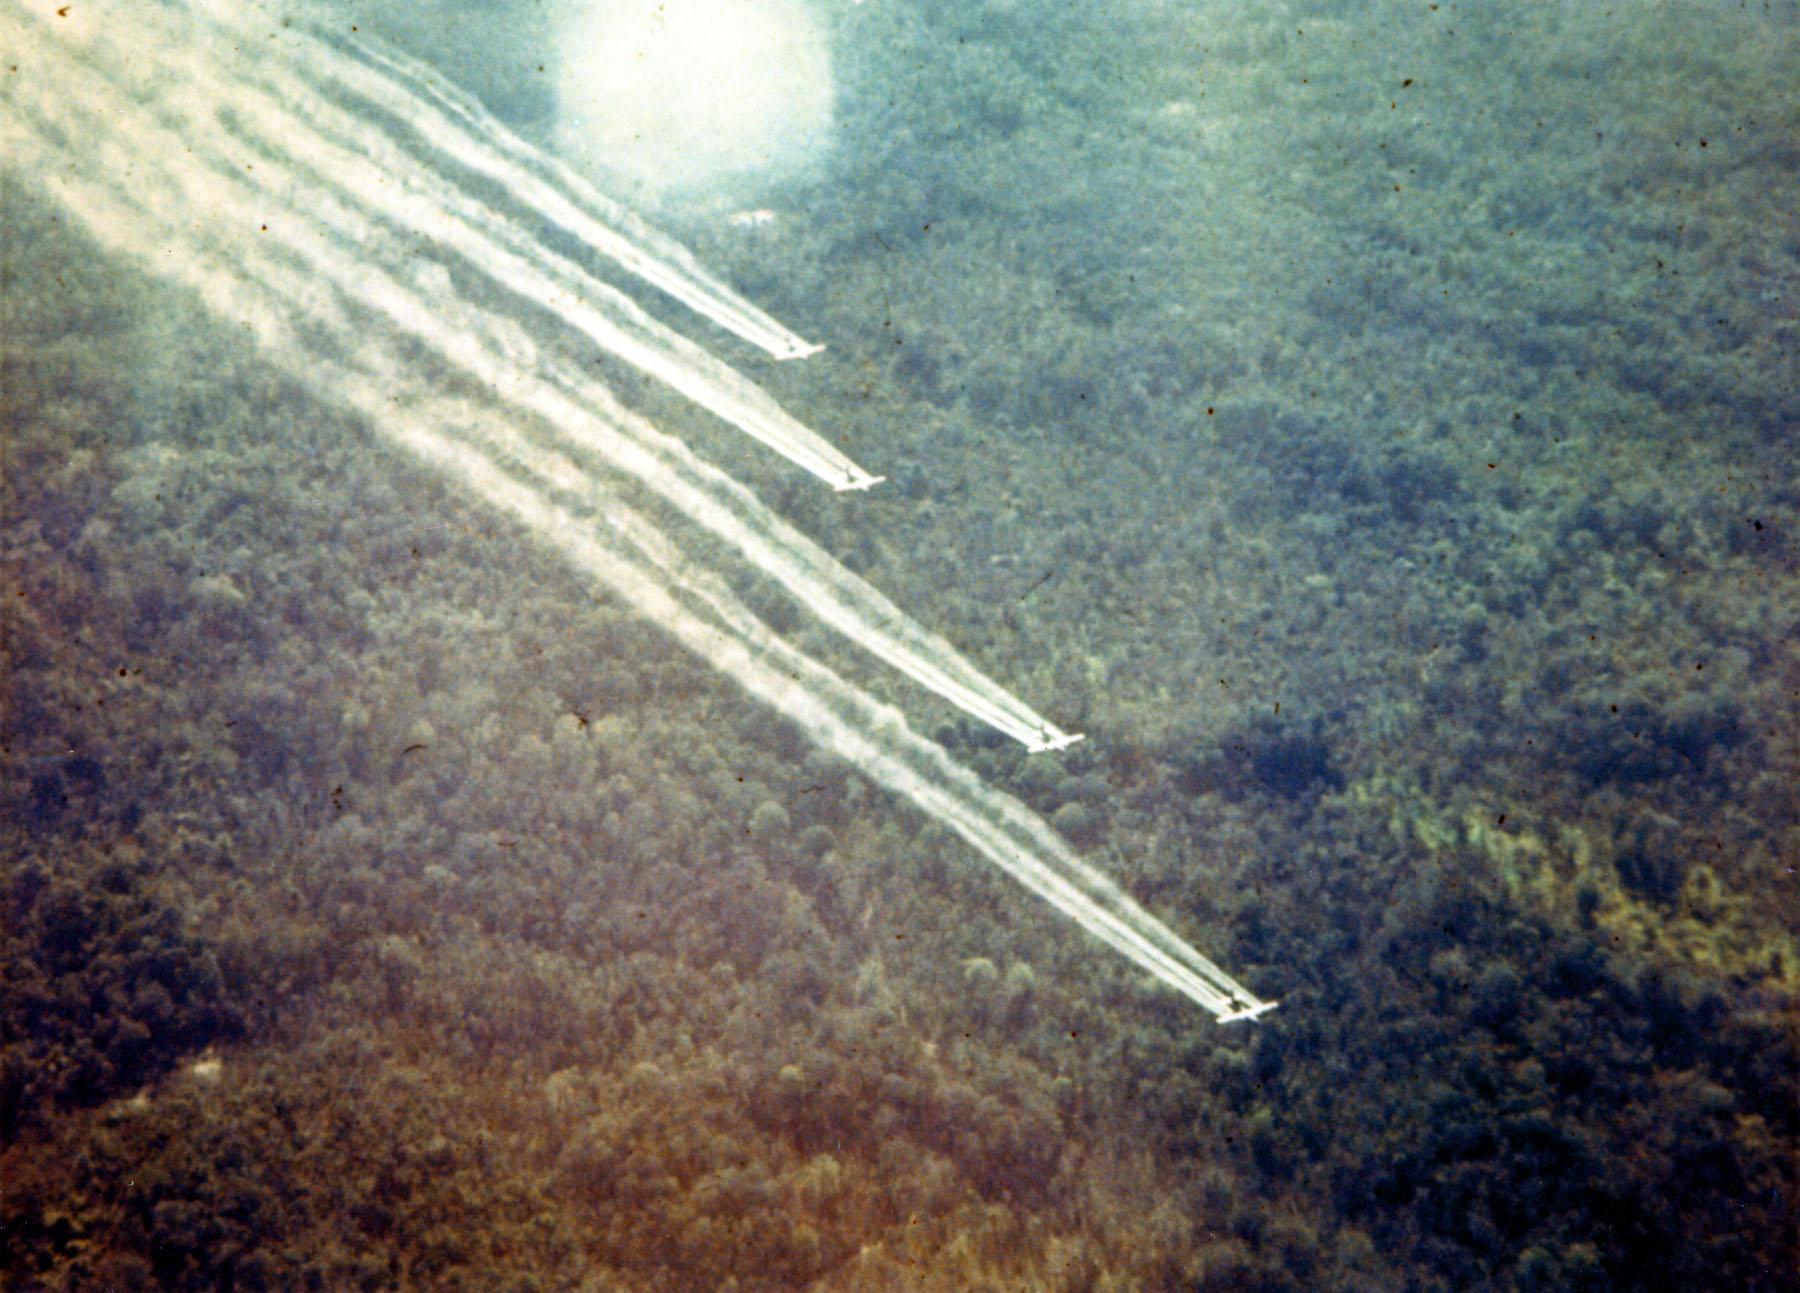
(461, 129)
(331, 301)
(284, 127)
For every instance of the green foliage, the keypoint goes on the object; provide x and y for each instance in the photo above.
(102, 987)
(1301, 432)
(1517, 1151)
(322, 1173)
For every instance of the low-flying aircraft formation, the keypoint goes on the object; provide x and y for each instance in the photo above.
(395, 249)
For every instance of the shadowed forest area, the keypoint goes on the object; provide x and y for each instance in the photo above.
(1373, 424)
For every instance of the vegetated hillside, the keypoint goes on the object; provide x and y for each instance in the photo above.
(382, 911)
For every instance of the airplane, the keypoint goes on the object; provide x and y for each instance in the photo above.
(1045, 741)
(1249, 1012)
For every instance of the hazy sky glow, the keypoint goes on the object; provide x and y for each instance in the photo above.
(681, 94)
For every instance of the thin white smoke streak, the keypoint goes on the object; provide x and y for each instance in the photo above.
(401, 192)
(461, 129)
(162, 224)
(293, 117)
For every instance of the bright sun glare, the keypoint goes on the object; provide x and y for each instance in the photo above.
(685, 94)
